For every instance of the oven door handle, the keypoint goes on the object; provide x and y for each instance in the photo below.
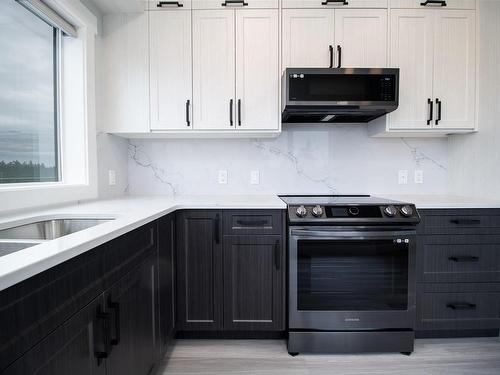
(339, 235)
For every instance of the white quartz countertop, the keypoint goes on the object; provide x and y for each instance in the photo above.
(445, 201)
(128, 213)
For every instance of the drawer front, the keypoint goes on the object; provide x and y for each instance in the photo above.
(330, 5)
(461, 307)
(450, 4)
(459, 259)
(169, 5)
(460, 222)
(249, 4)
(252, 222)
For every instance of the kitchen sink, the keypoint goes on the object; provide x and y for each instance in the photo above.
(47, 230)
(8, 247)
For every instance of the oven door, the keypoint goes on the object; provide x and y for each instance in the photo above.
(351, 279)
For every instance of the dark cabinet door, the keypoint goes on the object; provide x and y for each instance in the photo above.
(131, 304)
(253, 282)
(70, 349)
(166, 276)
(199, 270)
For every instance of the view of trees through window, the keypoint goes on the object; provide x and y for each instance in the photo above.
(28, 125)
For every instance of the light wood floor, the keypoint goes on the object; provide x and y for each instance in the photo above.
(431, 356)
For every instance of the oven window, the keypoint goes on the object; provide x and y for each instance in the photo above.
(352, 275)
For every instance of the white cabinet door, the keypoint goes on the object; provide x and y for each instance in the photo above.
(411, 50)
(257, 70)
(307, 35)
(454, 69)
(362, 34)
(170, 70)
(213, 69)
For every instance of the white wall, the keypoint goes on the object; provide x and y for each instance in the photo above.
(317, 159)
(475, 159)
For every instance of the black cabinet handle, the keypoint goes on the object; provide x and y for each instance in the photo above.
(161, 4)
(234, 2)
(461, 306)
(100, 355)
(438, 105)
(239, 112)
(277, 255)
(343, 2)
(330, 48)
(463, 258)
(231, 112)
(465, 221)
(431, 111)
(251, 223)
(217, 229)
(188, 103)
(115, 306)
(433, 2)
(339, 50)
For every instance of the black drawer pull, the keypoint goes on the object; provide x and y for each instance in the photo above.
(115, 306)
(234, 2)
(217, 229)
(100, 355)
(277, 255)
(342, 2)
(465, 221)
(461, 306)
(463, 258)
(188, 103)
(251, 223)
(161, 4)
(434, 2)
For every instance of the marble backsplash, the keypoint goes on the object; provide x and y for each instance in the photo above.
(315, 159)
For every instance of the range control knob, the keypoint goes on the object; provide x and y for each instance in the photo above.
(301, 211)
(317, 211)
(353, 211)
(390, 211)
(406, 211)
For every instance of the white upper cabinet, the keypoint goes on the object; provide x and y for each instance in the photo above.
(412, 46)
(169, 5)
(213, 69)
(308, 35)
(170, 70)
(334, 4)
(433, 4)
(257, 70)
(235, 4)
(362, 35)
(454, 69)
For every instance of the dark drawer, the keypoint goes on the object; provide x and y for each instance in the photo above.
(459, 259)
(252, 222)
(476, 221)
(458, 306)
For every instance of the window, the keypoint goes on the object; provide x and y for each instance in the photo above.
(29, 147)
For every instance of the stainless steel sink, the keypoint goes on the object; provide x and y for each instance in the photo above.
(49, 229)
(8, 247)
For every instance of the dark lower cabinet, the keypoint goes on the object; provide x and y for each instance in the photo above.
(199, 270)
(132, 306)
(253, 283)
(69, 350)
(166, 281)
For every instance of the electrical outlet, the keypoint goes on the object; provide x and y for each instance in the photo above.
(254, 177)
(112, 177)
(223, 176)
(403, 177)
(419, 176)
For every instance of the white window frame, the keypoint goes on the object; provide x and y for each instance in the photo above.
(77, 120)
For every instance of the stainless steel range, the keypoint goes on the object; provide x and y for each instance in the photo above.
(351, 274)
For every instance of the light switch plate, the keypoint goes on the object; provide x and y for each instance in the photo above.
(223, 176)
(403, 177)
(254, 177)
(419, 176)
(112, 177)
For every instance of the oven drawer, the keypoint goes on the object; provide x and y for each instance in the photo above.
(238, 222)
(471, 221)
(460, 259)
(458, 306)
